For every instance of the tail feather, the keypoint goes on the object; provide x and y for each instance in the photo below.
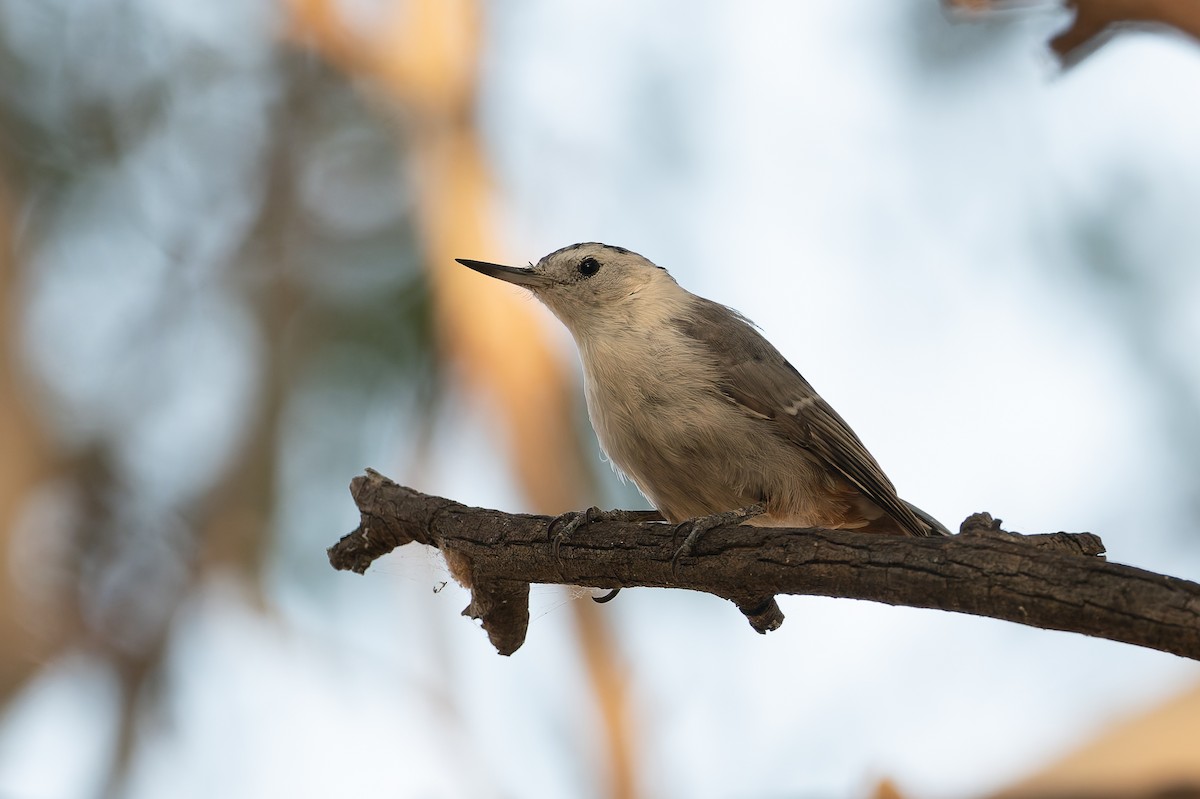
(935, 527)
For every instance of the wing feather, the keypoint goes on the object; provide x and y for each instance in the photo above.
(754, 375)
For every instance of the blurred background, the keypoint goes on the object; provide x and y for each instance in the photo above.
(227, 286)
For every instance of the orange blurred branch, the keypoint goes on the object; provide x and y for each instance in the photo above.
(27, 461)
(424, 53)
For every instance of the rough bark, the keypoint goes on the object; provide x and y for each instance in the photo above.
(1056, 581)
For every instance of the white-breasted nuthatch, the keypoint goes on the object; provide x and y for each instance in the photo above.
(698, 409)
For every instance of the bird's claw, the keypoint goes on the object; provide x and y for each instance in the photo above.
(702, 524)
(573, 520)
(570, 521)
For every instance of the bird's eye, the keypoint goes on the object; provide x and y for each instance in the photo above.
(589, 266)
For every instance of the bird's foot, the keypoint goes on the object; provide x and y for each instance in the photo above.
(567, 523)
(702, 524)
(564, 525)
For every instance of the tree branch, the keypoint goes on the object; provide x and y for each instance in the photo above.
(1057, 581)
(1097, 21)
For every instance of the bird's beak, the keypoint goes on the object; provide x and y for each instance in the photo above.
(512, 274)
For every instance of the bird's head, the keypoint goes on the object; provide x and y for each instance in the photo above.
(589, 285)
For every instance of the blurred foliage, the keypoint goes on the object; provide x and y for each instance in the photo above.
(206, 225)
(218, 291)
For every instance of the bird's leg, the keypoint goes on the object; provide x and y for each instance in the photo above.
(573, 520)
(566, 524)
(702, 524)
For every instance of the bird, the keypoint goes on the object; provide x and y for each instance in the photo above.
(695, 406)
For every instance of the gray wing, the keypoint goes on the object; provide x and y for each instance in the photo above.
(756, 376)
